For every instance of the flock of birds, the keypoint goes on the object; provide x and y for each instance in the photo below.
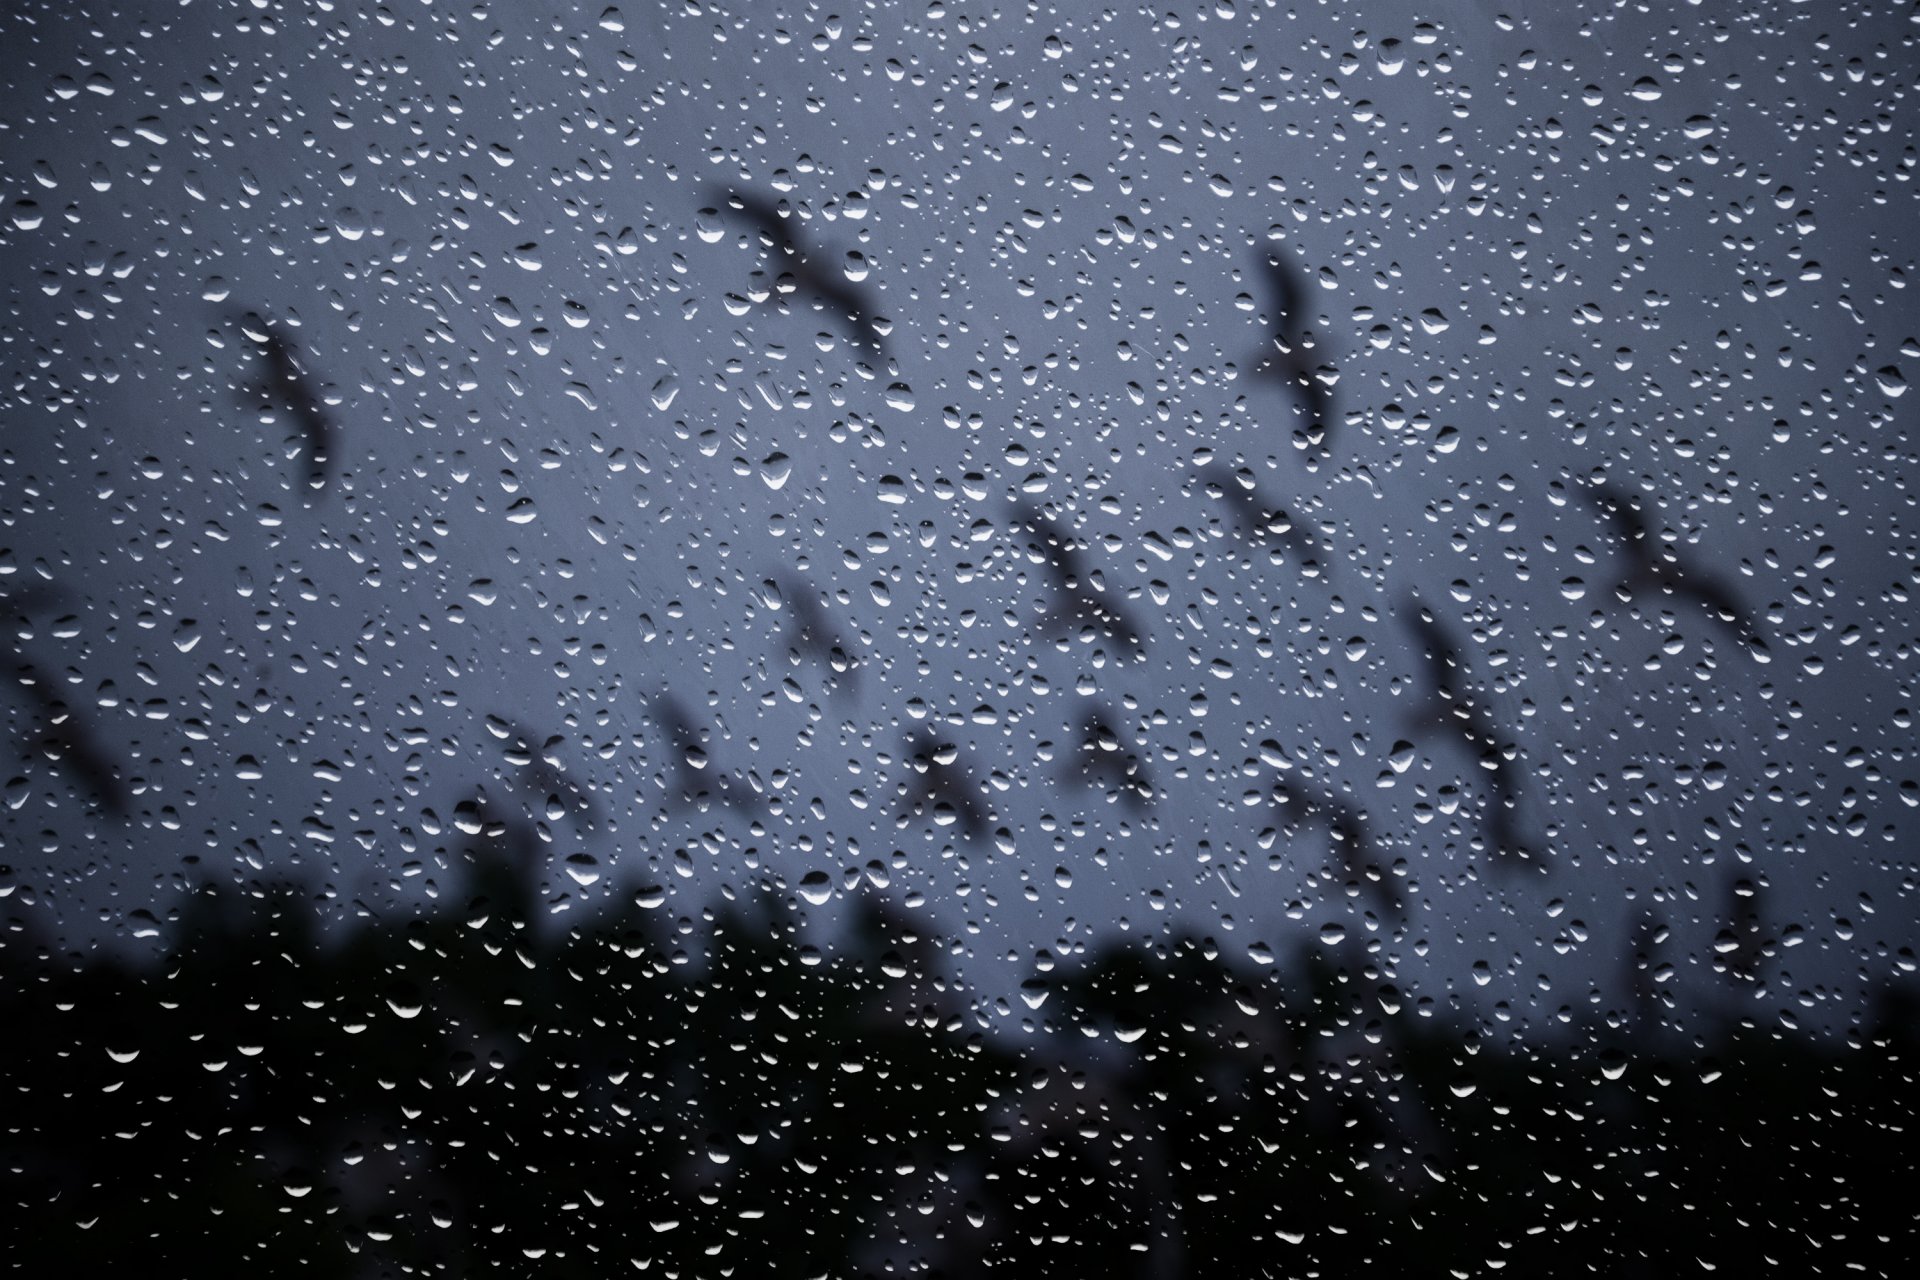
(942, 784)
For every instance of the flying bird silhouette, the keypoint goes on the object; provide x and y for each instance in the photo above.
(1261, 523)
(1642, 962)
(1460, 714)
(1349, 829)
(800, 266)
(68, 742)
(19, 600)
(1286, 358)
(691, 781)
(507, 856)
(284, 383)
(1083, 606)
(540, 765)
(1742, 942)
(1654, 567)
(942, 789)
(1102, 759)
(810, 634)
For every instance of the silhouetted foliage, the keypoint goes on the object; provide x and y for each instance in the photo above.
(466, 1093)
(474, 1091)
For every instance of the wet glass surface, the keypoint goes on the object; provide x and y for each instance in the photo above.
(932, 639)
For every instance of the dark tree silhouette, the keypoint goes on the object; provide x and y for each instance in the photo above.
(479, 1089)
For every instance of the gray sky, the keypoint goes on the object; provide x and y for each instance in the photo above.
(1539, 252)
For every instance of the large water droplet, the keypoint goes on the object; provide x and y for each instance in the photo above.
(775, 468)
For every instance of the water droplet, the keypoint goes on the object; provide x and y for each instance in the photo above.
(774, 470)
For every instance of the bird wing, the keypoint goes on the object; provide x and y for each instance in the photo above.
(78, 749)
(1437, 648)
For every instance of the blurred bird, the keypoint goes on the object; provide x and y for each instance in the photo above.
(798, 264)
(1642, 963)
(691, 781)
(1742, 941)
(69, 743)
(1286, 360)
(1102, 760)
(540, 766)
(1348, 827)
(507, 857)
(1261, 523)
(18, 600)
(1653, 566)
(285, 384)
(67, 740)
(810, 634)
(941, 788)
(1084, 606)
(1460, 714)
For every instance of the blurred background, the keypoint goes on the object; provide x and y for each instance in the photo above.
(927, 638)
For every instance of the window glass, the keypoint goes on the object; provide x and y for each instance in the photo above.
(957, 638)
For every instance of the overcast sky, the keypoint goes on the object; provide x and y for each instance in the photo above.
(579, 431)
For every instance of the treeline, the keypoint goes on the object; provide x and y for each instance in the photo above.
(473, 1093)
